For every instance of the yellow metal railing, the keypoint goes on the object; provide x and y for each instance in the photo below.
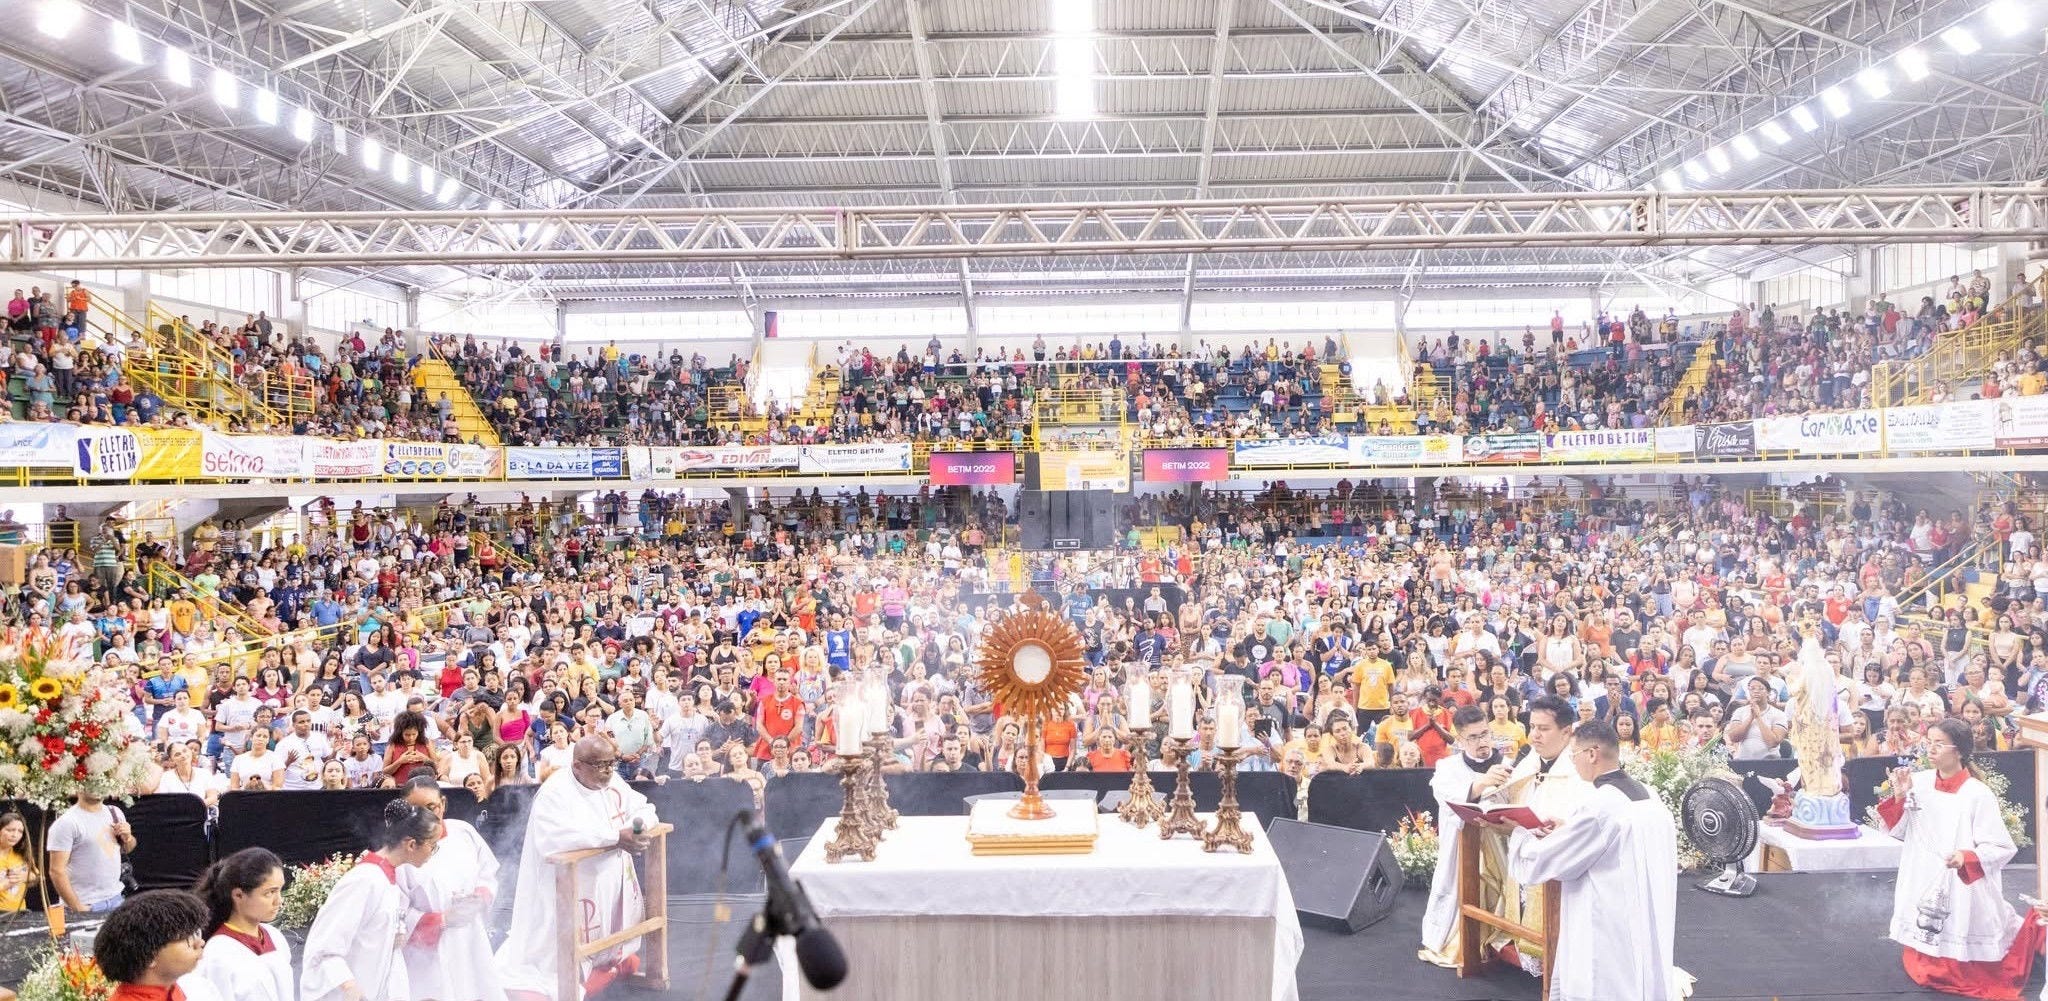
(435, 377)
(163, 578)
(1692, 382)
(1958, 355)
(1945, 578)
(204, 376)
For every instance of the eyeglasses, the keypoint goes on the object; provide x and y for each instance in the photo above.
(607, 765)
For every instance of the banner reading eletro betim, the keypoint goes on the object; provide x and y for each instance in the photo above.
(972, 469)
(1186, 465)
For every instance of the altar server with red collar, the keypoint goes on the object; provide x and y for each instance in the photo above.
(352, 950)
(149, 946)
(459, 883)
(245, 958)
(1948, 905)
(1615, 859)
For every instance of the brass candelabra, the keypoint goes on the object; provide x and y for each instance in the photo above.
(1143, 805)
(1228, 832)
(1180, 814)
(853, 837)
(880, 815)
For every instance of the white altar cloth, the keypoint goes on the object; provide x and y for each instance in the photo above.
(1870, 851)
(1138, 917)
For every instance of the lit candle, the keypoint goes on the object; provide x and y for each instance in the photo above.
(875, 694)
(848, 733)
(1229, 725)
(1140, 703)
(1180, 710)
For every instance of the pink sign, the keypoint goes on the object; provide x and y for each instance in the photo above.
(955, 469)
(1187, 465)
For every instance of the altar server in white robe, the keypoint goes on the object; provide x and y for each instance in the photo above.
(245, 958)
(352, 950)
(459, 883)
(1474, 771)
(1948, 905)
(580, 807)
(1615, 859)
(1545, 782)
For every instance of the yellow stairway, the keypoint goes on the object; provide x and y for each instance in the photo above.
(191, 373)
(434, 378)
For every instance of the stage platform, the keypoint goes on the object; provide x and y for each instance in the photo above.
(1809, 936)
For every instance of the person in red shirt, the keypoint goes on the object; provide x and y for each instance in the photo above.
(1432, 733)
(1106, 756)
(149, 942)
(781, 714)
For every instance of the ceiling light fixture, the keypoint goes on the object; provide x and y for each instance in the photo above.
(373, 153)
(128, 44)
(227, 91)
(56, 18)
(1836, 100)
(1802, 115)
(1961, 41)
(1874, 82)
(302, 125)
(1774, 132)
(265, 104)
(401, 168)
(1717, 158)
(426, 179)
(1913, 62)
(1671, 180)
(340, 138)
(449, 189)
(1694, 170)
(2007, 16)
(1073, 50)
(177, 66)
(1745, 147)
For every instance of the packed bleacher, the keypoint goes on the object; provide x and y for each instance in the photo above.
(475, 643)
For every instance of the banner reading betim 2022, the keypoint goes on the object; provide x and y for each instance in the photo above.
(1187, 465)
(972, 469)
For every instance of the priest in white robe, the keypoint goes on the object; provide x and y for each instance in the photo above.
(1474, 771)
(1948, 906)
(1545, 782)
(1616, 860)
(458, 883)
(580, 807)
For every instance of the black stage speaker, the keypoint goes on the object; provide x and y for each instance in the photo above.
(1034, 526)
(1342, 879)
(1066, 519)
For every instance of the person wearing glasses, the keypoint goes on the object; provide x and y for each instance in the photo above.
(148, 943)
(586, 805)
(1472, 771)
(1948, 907)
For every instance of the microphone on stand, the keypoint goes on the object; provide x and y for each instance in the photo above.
(787, 911)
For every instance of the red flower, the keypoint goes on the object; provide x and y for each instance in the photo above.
(79, 773)
(93, 731)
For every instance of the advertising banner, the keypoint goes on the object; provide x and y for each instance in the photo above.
(1939, 427)
(1675, 440)
(2020, 421)
(1408, 449)
(107, 453)
(1821, 434)
(1094, 469)
(38, 445)
(882, 457)
(253, 456)
(1329, 449)
(344, 460)
(1625, 445)
(526, 463)
(674, 461)
(168, 453)
(1526, 447)
(972, 469)
(436, 461)
(1187, 465)
(1733, 440)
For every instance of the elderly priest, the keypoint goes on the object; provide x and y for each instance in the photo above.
(583, 806)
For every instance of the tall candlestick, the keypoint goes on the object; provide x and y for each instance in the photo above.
(1180, 710)
(1140, 703)
(1229, 725)
(848, 736)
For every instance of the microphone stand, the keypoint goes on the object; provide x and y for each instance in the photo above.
(757, 943)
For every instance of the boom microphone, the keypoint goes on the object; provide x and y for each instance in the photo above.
(788, 912)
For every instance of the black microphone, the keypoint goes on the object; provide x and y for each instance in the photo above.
(788, 912)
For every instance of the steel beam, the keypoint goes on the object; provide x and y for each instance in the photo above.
(1947, 214)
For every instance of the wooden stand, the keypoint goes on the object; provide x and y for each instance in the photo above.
(1473, 918)
(1031, 806)
(1180, 810)
(571, 950)
(1142, 807)
(2033, 734)
(1227, 833)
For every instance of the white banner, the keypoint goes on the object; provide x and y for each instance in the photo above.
(884, 457)
(434, 461)
(666, 462)
(1413, 449)
(524, 463)
(1821, 434)
(38, 445)
(2020, 421)
(107, 454)
(253, 456)
(1619, 445)
(345, 460)
(1675, 440)
(1940, 427)
(1330, 449)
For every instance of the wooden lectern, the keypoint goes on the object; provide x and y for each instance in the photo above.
(2033, 734)
(1472, 917)
(571, 950)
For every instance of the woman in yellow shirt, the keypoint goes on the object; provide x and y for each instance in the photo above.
(17, 868)
(1509, 735)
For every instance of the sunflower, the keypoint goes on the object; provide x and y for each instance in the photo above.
(45, 688)
(10, 696)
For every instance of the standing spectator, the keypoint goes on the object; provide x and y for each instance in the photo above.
(86, 845)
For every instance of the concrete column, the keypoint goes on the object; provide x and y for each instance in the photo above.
(2012, 264)
(562, 327)
(742, 511)
(1859, 284)
(135, 295)
(293, 309)
(412, 310)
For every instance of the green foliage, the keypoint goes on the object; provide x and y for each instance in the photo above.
(307, 887)
(1415, 847)
(1670, 773)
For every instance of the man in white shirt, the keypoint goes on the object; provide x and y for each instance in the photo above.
(305, 750)
(680, 733)
(384, 704)
(632, 733)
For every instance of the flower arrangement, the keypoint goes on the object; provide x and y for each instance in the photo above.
(1999, 784)
(1415, 846)
(60, 736)
(306, 889)
(1670, 773)
(64, 974)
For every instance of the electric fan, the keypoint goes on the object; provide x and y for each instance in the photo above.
(1721, 822)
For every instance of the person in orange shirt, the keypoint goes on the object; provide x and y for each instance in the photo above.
(1106, 756)
(78, 300)
(1661, 733)
(1059, 740)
